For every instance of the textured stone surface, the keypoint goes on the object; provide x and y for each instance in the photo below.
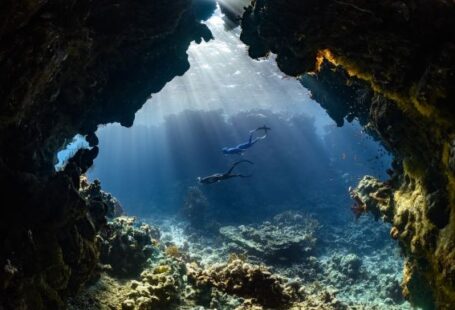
(245, 280)
(92, 191)
(405, 52)
(67, 66)
(126, 246)
(289, 237)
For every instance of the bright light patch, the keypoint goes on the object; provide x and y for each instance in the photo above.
(70, 150)
(223, 77)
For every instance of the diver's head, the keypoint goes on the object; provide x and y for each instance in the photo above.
(225, 150)
(199, 179)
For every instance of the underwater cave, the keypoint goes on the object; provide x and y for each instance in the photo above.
(227, 154)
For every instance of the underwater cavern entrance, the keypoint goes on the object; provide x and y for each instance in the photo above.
(69, 67)
(293, 214)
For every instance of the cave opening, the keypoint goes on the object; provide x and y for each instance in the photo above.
(300, 181)
(343, 197)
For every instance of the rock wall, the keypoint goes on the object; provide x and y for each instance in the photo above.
(67, 66)
(405, 52)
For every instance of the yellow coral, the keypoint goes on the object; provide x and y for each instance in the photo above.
(162, 269)
(173, 251)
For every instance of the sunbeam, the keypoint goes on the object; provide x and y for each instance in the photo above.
(223, 77)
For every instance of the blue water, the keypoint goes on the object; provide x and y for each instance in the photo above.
(149, 168)
(178, 135)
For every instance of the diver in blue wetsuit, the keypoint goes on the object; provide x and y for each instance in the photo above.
(241, 148)
(218, 177)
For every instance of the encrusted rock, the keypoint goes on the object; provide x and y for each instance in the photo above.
(92, 191)
(246, 280)
(438, 209)
(67, 66)
(350, 265)
(289, 237)
(126, 246)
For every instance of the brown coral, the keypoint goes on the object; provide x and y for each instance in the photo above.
(246, 280)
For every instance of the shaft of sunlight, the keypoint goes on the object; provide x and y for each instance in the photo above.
(222, 76)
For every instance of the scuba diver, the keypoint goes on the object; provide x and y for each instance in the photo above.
(241, 148)
(218, 177)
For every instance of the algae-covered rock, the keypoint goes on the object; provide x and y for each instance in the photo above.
(92, 191)
(246, 280)
(126, 246)
(289, 237)
(66, 67)
(403, 202)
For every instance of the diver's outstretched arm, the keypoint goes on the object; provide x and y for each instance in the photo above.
(238, 162)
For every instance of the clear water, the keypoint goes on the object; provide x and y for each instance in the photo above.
(306, 163)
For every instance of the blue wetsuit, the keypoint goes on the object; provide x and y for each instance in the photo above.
(241, 148)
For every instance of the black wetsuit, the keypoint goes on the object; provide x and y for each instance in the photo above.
(218, 177)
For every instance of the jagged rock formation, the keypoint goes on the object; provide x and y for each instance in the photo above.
(403, 205)
(288, 238)
(68, 66)
(92, 191)
(342, 96)
(159, 288)
(126, 246)
(246, 280)
(405, 51)
(181, 283)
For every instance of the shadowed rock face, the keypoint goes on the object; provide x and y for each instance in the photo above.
(342, 96)
(67, 66)
(405, 51)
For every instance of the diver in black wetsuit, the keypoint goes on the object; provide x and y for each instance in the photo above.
(218, 177)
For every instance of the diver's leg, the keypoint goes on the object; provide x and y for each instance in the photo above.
(230, 170)
(236, 163)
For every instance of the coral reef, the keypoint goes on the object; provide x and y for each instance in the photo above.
(92, 191)
(158, 288)
(68, 66)
(176, 278)
(243, 279)
(126, 246)
(291, 236)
